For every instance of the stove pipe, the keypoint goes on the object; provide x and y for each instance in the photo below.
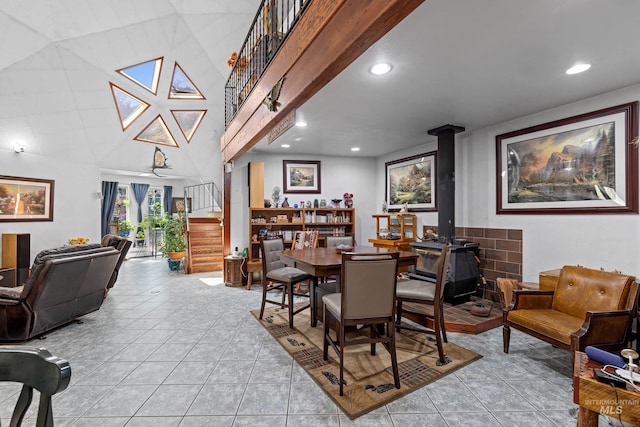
(446, 189)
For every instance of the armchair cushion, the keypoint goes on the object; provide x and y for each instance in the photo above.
(552, 323)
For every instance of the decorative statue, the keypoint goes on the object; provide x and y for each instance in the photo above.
(275, 196)
(385, 208)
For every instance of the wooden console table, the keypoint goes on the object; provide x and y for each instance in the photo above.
(597, 398)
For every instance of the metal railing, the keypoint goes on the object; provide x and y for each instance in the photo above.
(273, 22)
(206, 196)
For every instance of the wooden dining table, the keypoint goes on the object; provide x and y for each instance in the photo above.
(325, 262)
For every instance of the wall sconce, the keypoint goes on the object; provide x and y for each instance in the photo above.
(18, 147)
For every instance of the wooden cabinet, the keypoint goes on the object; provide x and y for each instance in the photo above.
(394, 231)
(284, 222)
(16, 254)
(233, 271)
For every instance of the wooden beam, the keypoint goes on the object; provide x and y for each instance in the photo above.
(330, 35)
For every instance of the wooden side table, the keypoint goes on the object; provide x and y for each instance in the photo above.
(253, 266)
(233, 271)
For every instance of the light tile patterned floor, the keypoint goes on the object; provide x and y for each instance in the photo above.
(167, 349)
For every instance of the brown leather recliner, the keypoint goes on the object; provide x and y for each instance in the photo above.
(588, 307)
(65, 283)
(121, 244)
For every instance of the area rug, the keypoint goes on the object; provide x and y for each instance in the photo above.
(368, 379)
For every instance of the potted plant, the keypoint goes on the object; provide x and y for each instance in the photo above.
(140, 236)
(174, 244)
(124, 228)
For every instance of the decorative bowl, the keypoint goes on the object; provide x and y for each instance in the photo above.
(343, 248)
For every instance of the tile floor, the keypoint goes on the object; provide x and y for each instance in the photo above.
(168, 349)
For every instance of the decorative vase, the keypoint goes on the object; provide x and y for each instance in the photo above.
(285, 203)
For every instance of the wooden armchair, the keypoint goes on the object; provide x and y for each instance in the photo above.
(588, 307)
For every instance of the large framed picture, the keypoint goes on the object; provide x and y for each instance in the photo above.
(301, 176)
(178, 205)
(25, 199)
(412, 180)
(583, 164)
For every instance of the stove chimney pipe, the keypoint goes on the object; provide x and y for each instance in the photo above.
(446, 165)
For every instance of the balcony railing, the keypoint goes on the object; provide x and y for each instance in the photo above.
(273, 22)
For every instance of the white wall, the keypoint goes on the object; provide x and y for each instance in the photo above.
(76, 206)
(338, 176)
(549, 241)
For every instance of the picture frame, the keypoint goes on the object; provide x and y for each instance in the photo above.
(412, 180)
(178, 204)
(584, 164)
(26, 199)
(301, 176)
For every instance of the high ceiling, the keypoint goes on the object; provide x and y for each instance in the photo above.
(468, 62)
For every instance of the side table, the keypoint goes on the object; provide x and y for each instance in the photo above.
(233, 271)
(253, 266)
(7, 277)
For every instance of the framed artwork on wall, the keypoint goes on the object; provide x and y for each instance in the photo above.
(583, 164)
(25, 199)
(178, 205)
(412, 180)
(301, 176)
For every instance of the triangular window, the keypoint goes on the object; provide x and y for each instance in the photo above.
(157, 132)
(145, 74)
(128, 106)
(182, 87)
(188, 121)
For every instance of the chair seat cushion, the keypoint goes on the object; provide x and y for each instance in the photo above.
(549, 322)
(287, 274)
(333, 302)
(415, 289)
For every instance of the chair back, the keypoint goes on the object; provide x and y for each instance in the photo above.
(121, 244)
(368, 285)
(442, 268)
(333, 241)
(305, 239)
(271, 249)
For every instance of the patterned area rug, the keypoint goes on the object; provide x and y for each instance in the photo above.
(368, 379)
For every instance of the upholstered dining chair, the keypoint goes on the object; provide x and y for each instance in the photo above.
(277, 276)
(366, 298)
(35, 368)
(333, 241)
(427, 293)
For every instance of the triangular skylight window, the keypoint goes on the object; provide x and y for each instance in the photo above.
(157, 132)
(128, 106)
(188, 121)
(182, 87)
(145, 74)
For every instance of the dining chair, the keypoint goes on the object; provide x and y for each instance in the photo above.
(35, 368)
(366, 298)
(427, 293)
(277, 276)
(305, 240)
(333, 241)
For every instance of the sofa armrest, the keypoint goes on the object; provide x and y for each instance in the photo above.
(602, 327)
(11, 293)
(528, 299)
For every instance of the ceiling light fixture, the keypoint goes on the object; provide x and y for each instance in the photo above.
(355, 148)
(380, 69)
(301, 124)
(578, 68)
(285, 145)
(18, 147)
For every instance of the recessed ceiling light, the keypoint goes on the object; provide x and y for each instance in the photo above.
(301, 124)
(578, 68)
(285, 145)
(297, 139)
(379, 69)
(355, 148)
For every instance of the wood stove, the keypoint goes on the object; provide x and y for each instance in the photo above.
(463, 273)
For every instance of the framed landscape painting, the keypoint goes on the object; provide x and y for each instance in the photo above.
(581, 164)
(25, 199)
(301, 176)
(412, 180)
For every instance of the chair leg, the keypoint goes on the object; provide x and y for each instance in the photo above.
(264, 299)
(391, 333)
(290, 302)
(341, 338)
(438, 332)
(398, 314)
(442, 326)
(506, 336)
(325, 341)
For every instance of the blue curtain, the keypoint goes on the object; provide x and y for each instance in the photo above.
(168, 192)
(139, 192)
(109, 195)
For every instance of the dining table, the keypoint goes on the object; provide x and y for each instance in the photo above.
(325, 262)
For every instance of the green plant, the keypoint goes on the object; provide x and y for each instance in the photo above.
(140, 235)
(173, 238)
(125, 225)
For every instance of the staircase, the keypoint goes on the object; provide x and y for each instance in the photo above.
(205, 245)
(204, 229)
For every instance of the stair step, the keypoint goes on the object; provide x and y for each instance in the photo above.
(211, 266)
